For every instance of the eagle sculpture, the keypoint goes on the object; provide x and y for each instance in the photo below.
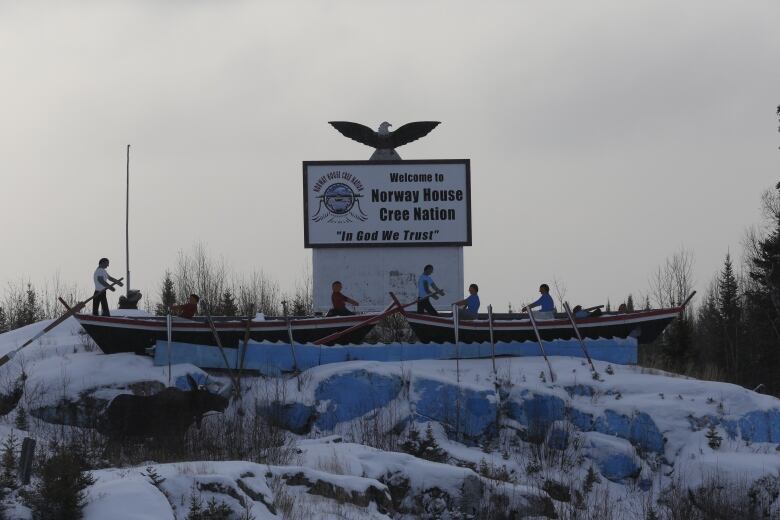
(384, 140)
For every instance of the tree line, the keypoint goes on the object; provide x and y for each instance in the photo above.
(222, 293)
(734, 333)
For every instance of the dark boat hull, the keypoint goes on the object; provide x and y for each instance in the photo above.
(645, 326)
(124, 334)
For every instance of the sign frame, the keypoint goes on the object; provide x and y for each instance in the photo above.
(308, 245)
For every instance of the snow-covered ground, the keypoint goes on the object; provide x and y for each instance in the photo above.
(512, 438)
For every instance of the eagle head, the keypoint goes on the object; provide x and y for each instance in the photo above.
(383, 128)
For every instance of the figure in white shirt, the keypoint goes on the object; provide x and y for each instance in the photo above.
(102, 279)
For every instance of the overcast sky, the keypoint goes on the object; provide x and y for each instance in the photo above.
(603, 136)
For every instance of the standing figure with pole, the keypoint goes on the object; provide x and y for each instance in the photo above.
(426, 289)
(102, 279)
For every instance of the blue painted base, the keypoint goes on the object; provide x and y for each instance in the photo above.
(272, 358)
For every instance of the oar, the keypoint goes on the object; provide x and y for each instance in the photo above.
(247, 337)
(70, 312)
(579, 336)
(288, 323)
(687, 301)
(539, 338)
(396, 306)
(222, 351)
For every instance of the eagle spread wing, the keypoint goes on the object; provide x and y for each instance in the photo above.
(358, 132)
(410, 132)
(405, 134)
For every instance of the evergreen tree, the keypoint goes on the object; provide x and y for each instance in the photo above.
(154, 477)
(630, 303)
(647, 303)
(759, 356)
(301, 306)
(3, 320)
(59, 494)
(591, 478)
(20, 420)
(29, 308)
(713, 439)
(765, 262)
(710, 345)
(213, 511)
(424, 447)
(609, 307)
(730, 314)
(228, 305)
(167, 296)
(8, 475)
(677, 342)
(728, 294)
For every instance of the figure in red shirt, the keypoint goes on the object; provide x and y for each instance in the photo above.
(188, 309)
(340, 302)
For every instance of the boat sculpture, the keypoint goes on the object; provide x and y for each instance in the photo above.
(645, 326)
(114, 334)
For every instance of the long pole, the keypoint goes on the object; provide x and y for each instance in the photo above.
(290, 337)
(169, 329)
(127, 222)
(455, 327)
(396, 306)
(541, 345)
(214, 332)
(492, 341)
(70, 312)
(579, 336)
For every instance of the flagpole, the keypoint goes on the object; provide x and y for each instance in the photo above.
(127, 223)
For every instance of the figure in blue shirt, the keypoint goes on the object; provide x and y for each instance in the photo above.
(470, 304)
(545, 301)
(426, 289)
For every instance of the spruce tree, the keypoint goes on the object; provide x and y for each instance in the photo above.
(20, 420)
(591, 478)
(30, 308)
(167, 296)
(710, 345)
(713, 438)
(424, 447)
(728, 294)
(8, 475)
(228, 305)
(154, 477)
(3, 320)
(759, 356)
(765, 262)
(630, 303)
(59, 494)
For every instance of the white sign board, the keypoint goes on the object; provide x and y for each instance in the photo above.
(383, 203)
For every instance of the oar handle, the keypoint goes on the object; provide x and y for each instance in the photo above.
(688, 300)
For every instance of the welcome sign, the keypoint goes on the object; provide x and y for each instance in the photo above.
(378, 203)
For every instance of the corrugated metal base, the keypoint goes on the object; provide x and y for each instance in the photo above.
(272, 358)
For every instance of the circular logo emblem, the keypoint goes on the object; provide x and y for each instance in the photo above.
(339, 198)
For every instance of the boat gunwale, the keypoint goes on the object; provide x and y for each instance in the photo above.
(155, 323)
(525, 323)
